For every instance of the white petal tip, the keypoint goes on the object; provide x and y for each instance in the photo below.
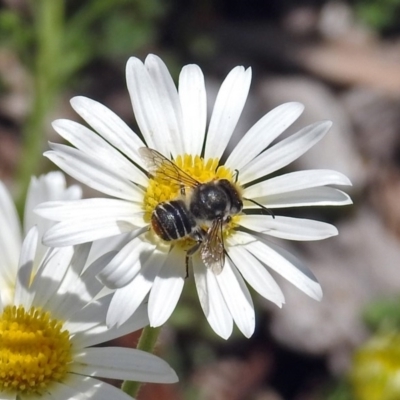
(279, 301)
(48, 240)
(104, 280)
(75, 101)
(56, 123)
(248, 334)
(172, 377)
(346, 181)
(295, 105)
(316, 294)
(112, 322)
(132, 62)
(224, 334)
(156, 322)
(152, 58)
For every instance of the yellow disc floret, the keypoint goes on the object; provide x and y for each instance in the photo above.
(162, 187)
(34, 350)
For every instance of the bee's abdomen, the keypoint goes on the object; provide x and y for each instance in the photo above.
(171, 220)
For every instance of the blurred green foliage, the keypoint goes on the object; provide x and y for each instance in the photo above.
(342, 391)
(379, 14)
(383, 315)
(90, 29)
(55, 39)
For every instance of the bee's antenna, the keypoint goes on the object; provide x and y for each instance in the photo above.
(261, 206)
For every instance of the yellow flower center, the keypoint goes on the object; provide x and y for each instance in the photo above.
(162, 189)
(34, 350)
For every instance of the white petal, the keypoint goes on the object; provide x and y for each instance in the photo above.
(211, 300)
(319, 196)
(192, 94)
(167, 288)
(122, 363)
(92, 389)
(256, 275)
(284, 152)
(101, 334)
(113, 243)
(282, 262)
(126, 300)
(168, 97)
(8, 212)
(67, 233)
(288, 228)
(65, 390)
(47, 187)
(110, 127)
(147, 108)
(267, 129)
(237, 298)
(73, 292)
(227, 110)
(295, 181)
(92, 173)
(123, 268)
(51, 186)
(92, 144)
(87, 318)
(9, 396)
(10, 237)
(80, 209)
(25, 266)
(50, 275)
(86, 288)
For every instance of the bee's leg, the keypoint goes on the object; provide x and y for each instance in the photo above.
(189, 254)
(198, 236)
(187, 258)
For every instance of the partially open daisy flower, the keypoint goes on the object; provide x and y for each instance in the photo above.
(49, 187)
(178, 156)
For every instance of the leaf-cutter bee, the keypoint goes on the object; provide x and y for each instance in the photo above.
(199, 214)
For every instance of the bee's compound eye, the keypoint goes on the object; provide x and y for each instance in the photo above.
(237, 206)
(234, 200)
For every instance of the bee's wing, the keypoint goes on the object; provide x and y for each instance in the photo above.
(157, 163)
(212, 249)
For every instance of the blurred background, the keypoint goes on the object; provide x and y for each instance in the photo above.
(342, 60)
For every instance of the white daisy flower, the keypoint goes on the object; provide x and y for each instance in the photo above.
(111, 159)
(49, 323)
(46, 324)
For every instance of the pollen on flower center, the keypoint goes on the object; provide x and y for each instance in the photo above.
(34, 350)
(163, 187)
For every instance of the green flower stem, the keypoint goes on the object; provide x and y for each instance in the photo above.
(49, 28)
(147, 342)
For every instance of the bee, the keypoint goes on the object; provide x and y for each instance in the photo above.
(211, 205)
